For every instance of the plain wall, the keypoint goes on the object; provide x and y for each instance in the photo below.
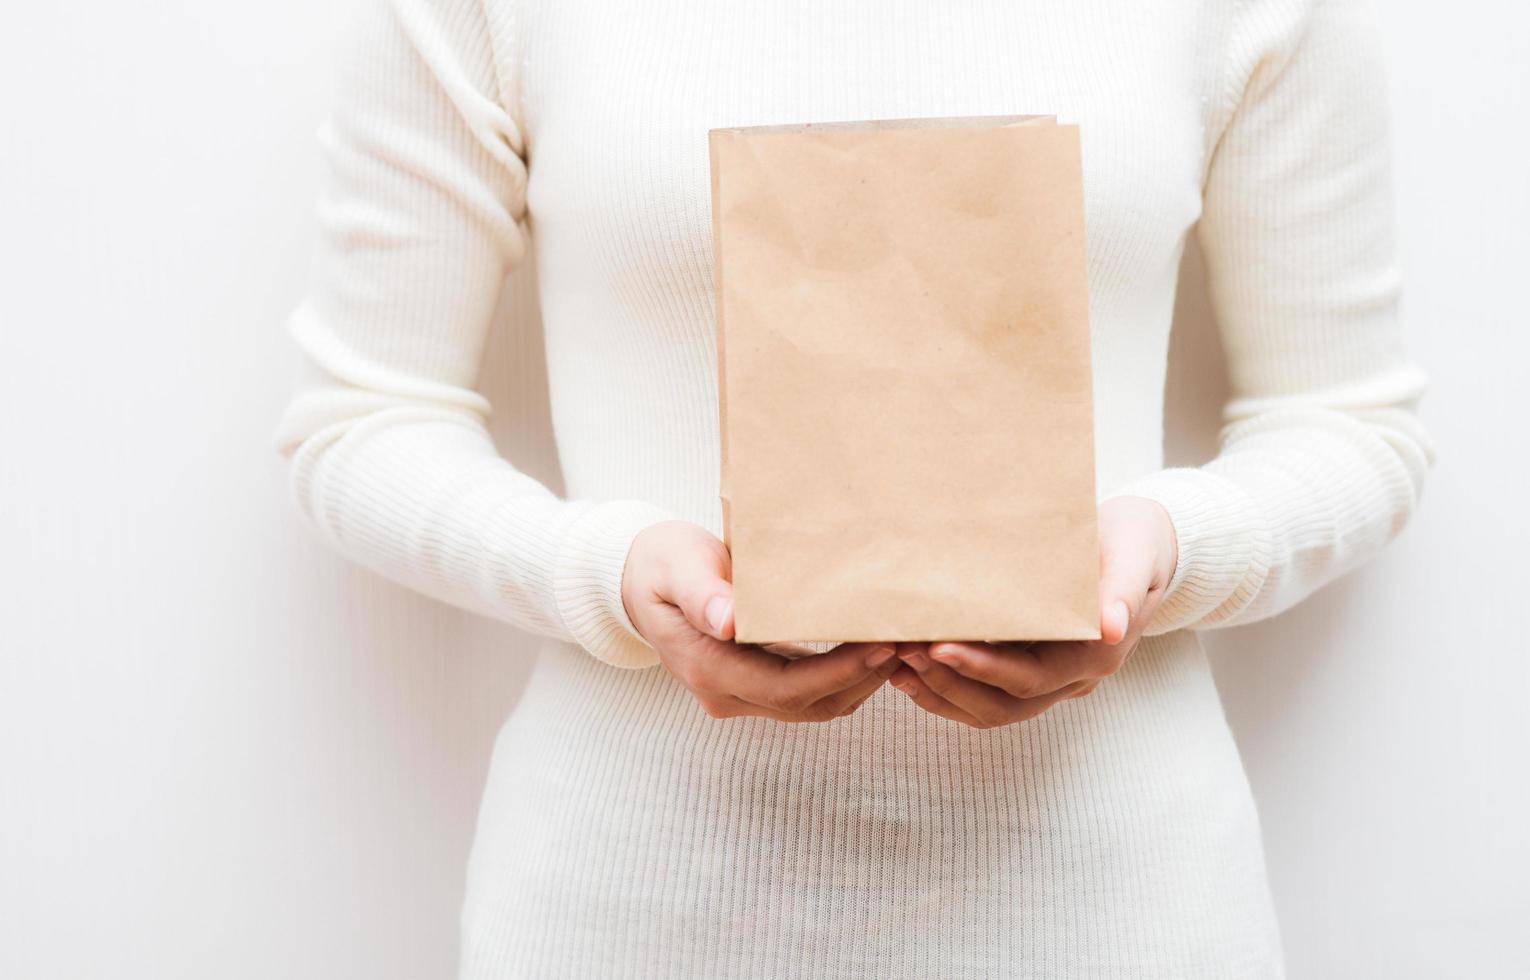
(226, 753)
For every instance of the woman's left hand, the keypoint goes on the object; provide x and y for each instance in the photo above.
(986, 685)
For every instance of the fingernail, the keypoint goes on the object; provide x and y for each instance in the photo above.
(918, 661)
(717, 612)
(1123, 615)
(879, 656)
(944, 652)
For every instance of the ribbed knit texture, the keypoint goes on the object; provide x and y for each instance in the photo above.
(624, 832)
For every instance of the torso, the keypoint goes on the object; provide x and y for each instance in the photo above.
(624, 832)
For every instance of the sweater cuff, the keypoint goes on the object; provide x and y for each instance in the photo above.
(1224, 548)
(587, 580)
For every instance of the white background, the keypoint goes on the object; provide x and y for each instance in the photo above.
(224, 753)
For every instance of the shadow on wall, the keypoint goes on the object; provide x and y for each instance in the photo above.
(1260, 669)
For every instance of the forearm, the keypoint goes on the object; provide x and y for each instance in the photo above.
(1322, 458)
(419, 494)
(1296, 497)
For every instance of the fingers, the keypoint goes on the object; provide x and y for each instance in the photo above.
(1138, 552)
(698, 581)
(791, 687)
(1022, 671)
(692, 626)
(921, 688)
(845, 702)
(907, 681)
(835, 704)
(1125, 575)
(1124, 583)
(1115, 620)
(988, 704)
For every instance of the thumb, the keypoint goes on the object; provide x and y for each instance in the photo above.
(699, 585)
(1124, 578)
(1115, 620)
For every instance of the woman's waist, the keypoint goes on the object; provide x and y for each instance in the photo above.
(1156, 721)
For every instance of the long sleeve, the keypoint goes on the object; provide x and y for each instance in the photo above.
(1322, 457)
(421, 218)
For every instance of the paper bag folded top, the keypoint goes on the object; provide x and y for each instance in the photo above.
(904, 380)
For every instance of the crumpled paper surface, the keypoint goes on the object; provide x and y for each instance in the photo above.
(904, 380)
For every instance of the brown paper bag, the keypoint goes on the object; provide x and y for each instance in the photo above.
(904, 379)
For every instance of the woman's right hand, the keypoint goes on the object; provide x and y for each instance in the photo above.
(678, 592)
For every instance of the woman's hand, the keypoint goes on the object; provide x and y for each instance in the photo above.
(988, 685)
(678, 593)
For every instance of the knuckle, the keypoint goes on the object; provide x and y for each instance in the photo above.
(1026, 687)
(693, 598)
(693, 677)
(716, 552)
(957, 659)
(689, 598)
(977, 670)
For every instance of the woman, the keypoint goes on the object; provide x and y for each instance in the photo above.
(664, 802)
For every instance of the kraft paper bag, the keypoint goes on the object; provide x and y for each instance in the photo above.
(904, 380)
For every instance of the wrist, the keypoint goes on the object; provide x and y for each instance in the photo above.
(589, 581)
(1168, 548)
(1218, 544)
(637, 576)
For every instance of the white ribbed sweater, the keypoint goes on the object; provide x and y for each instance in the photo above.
(624, 832)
